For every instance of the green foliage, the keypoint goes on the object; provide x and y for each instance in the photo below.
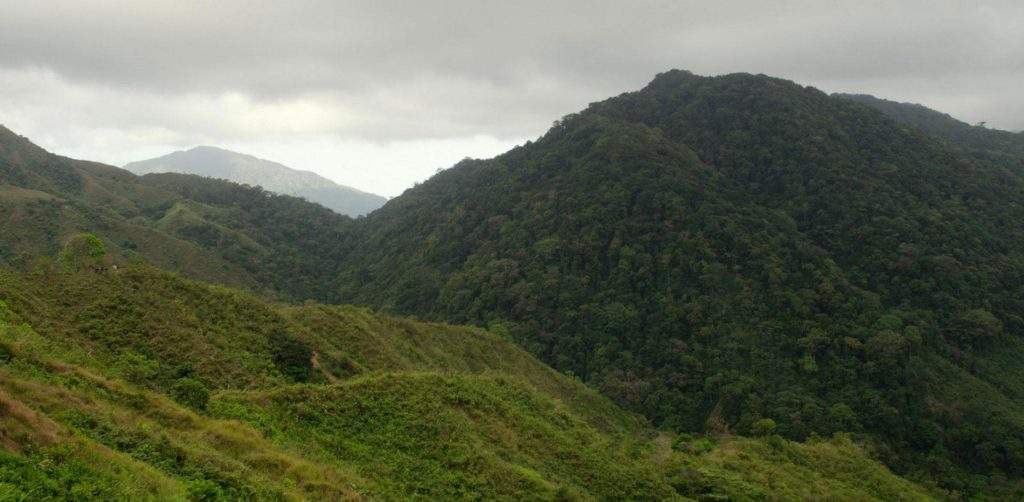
(204, 490)
(976, 140)
(452, 437)
(53, 476)
(775, 469)
(681, 441)
(281, 243)
(709, 251)
(81, 252)
(763, 427)
(700, 446)
(401, 409)
(291, 356)
(207, 229)
(190, 392)
(705, 251)
(977, 327)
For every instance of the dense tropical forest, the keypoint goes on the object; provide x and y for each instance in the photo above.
(712, 252)
(133, 383)
(789, 289)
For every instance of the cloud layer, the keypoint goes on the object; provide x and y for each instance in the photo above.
(381, 94)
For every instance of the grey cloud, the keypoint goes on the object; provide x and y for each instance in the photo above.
(421, 70)
(299, 46)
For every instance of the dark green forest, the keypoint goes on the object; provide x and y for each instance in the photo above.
(714, 253)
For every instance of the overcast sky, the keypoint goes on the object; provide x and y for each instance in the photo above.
(378, 95)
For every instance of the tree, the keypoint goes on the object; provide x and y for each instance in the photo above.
(191, 392)
(83, 251)
(977, 327)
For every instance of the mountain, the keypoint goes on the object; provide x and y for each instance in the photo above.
(733, 256)
(714, 251)
(206, 229)
(138, 384)
(977, 139)
(217, 163)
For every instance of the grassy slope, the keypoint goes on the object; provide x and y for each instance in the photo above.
(45, 199)
(207, 229)
(392, 408)
(451, 436)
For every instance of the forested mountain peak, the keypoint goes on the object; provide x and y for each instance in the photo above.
(711, 251)
(191, 387)
(983, 142)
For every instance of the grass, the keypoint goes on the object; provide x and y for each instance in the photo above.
(312, 402)
(450, 436)
(775, 469)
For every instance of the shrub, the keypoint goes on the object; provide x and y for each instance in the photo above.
(292, 357)
(682, 441)
(191, 392)
(82, 251)
(204, 489)
(763, 427)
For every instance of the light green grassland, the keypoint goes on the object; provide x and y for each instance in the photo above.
(138, 384)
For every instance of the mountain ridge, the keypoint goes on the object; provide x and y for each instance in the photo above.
(207, 229)
(712, 251)
(975, 138)
(215, 162)
(717, 253)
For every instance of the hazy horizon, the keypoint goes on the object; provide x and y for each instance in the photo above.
(380, 97)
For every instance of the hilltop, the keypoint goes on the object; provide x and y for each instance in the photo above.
(712, 251)
(207, 229)
(212, 162)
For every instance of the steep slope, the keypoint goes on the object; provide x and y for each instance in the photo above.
(976, 138)
(136, 384)
(207, 229)
(714, 251)
(711, 252)
(218, 163)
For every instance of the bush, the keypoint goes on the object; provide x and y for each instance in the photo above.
(292, 357)
(82, 251)
(682, 441)
(763, 427)
(204, 489)
(700, 446)
(191, 392)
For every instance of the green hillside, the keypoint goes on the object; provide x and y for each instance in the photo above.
(207, 229)
(714, 254)
(977, 139)
(715, 251)
(136, 383)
